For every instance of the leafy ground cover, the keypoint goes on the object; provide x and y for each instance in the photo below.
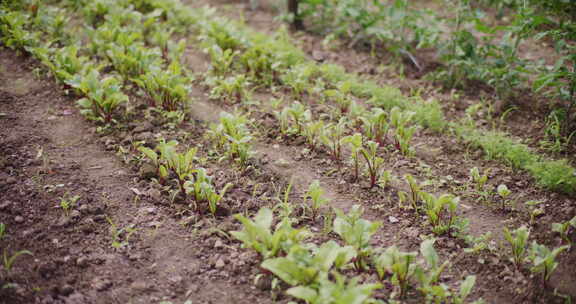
(220, 164)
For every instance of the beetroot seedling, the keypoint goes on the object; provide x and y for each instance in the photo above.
(373, 162)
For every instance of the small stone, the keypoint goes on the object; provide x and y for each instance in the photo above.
(146, 126)
(82, 262)
(150, 210)
(63, 222)
(139, 286)
(19, 219)
(220, 263)
(218, 244)
(75, 214)
(393, 219)
(5, 205)
(66, 290)
(10, 180)
(147, 171)
(99, 218)
(101, 284)
(176, 279)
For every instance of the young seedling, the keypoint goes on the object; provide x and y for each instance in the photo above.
(385, 178)
(503, 192)
(518, 240)
(357, 233)
(215, 198)
(67, 203)
(373, 162)
(257, 234)
(375, 125)
(564, 229)
(401, 265)
(102, 96)
(8, 260)
(544, 260)
(333, 138)
(299, 115)
(316, 196)
(477, 179)
(414, 191)
(2, 231)
(355, 143)
(339, 291)
(441, 211)
(535, 210)
(313, 132)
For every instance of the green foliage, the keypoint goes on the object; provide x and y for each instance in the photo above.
(356, 232)
(8, 259)
(518, 240)
(555, 175)
(166, 88)
(67, 203)
(479, 180)
(564, 229)
(355, 143)
(258, 235)
(233, 137)
(544, 260)
(373, 162)
(441, 212)
(333, 138)
(315, 195)
(102, 95)
(401, 265)
(338, 292)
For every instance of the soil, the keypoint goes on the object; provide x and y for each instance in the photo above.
(126, 241)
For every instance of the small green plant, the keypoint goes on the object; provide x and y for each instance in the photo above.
(313, 132)
(120, 236)
(215, 198)
(67, 203)
(544, 260)
(355, 144)
(357, 233)
(2, 231)
(504, 193)
(102, 96)
(401, 265)
(165, 88)
(385, 179)
(564, 229)
(441, 212)
(233, 136)
(535, 209)
(257, 234)
(8, 260)
(333, 138)
(316, 196)
(231, 89)
(478, 179)
(414, 191)
(518, 240)
(339, 291)
(375, 125)
(373, 162)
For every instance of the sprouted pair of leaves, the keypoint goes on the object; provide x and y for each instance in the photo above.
(233, 137)
(166, 88)
(315, 195)
(565, 229)
(67, 203)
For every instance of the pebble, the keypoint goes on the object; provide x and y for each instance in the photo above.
(66, 290)
(5, 205)
(220, 264)
(101, 284)
(82, 262)
(19, 219)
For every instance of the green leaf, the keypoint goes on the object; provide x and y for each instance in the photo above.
(303, 293)
(466, 287)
